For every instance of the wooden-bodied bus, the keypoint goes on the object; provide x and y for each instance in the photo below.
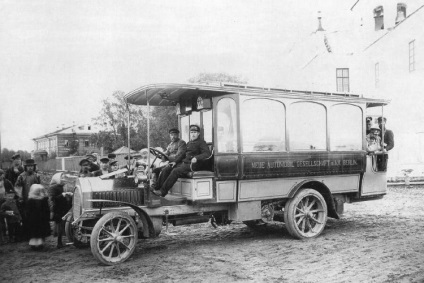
(277, 155)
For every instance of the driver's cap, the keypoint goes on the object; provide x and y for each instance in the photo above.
(194, 128)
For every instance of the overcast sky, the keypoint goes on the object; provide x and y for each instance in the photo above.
(59, 59)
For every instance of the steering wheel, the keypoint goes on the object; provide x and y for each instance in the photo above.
(158, 153)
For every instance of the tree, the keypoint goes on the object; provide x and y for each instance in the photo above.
(217, 77)
(73, 145)
(113, 119)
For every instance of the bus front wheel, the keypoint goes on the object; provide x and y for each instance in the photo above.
(114, 238)
(305, 214)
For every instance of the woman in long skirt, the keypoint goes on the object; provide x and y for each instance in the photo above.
(38, 212)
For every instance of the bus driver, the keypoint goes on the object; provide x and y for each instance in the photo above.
(197, 150)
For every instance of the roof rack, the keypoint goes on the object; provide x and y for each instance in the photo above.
(248, 87)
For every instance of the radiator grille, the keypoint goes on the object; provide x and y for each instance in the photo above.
(132, 196)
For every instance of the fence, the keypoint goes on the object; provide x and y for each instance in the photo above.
(63, 163)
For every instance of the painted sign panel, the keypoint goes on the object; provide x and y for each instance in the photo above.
(302, 164)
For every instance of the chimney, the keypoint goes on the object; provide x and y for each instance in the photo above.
(319, 22)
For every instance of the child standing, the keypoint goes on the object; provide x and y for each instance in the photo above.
(13, 217)
(38, 212)
(59, 205)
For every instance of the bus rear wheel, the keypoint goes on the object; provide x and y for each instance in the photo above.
(305, 215)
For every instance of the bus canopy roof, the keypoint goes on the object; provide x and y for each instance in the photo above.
(169, 94)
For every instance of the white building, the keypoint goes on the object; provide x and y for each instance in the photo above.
(381, 53)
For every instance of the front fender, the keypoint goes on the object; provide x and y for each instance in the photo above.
(144, 217)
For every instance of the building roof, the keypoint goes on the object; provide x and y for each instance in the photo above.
(85, 129)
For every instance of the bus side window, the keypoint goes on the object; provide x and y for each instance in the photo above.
(307, 126)
(345, 127)
(226, 126)
(263, 125)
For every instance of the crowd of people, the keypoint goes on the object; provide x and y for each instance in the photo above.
(27, 207)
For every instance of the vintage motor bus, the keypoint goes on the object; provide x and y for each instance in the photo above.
(277, 155)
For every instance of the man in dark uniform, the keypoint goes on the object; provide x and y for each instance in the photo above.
(15, 170)
(197, 150)
(176, 151)
(388, 142)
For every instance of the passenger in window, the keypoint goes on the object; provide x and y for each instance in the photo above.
(374, 140)
(197, 150)
(369, 124)
(176, 151)
(386, 135)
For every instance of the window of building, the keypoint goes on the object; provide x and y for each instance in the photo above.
(412, 55)
(377, 74)
(401, 12)
(379, 18)
(66, 143)
(256, 135)
(303, 117)
(86, 143)
(226, 126)
(342, 78)
(345, 127)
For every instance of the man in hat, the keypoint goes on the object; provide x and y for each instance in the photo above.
(15, 170)
(369, 124)
(197, 150)
(28, 178)
(104, 167)
(85, 168)
(93, 165)
(386, 135)
(111, 156)
(176, 151)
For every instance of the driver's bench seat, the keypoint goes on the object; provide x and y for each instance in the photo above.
(198, 184)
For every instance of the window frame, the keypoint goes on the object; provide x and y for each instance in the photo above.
(241, 125)
(289, 132)
(215, 115)
(343, 79)
(330, 126)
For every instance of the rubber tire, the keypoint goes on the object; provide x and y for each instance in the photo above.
(97, 228)
(70, 235)
(289, 213)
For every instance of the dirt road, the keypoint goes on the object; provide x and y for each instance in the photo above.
(376, 241)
